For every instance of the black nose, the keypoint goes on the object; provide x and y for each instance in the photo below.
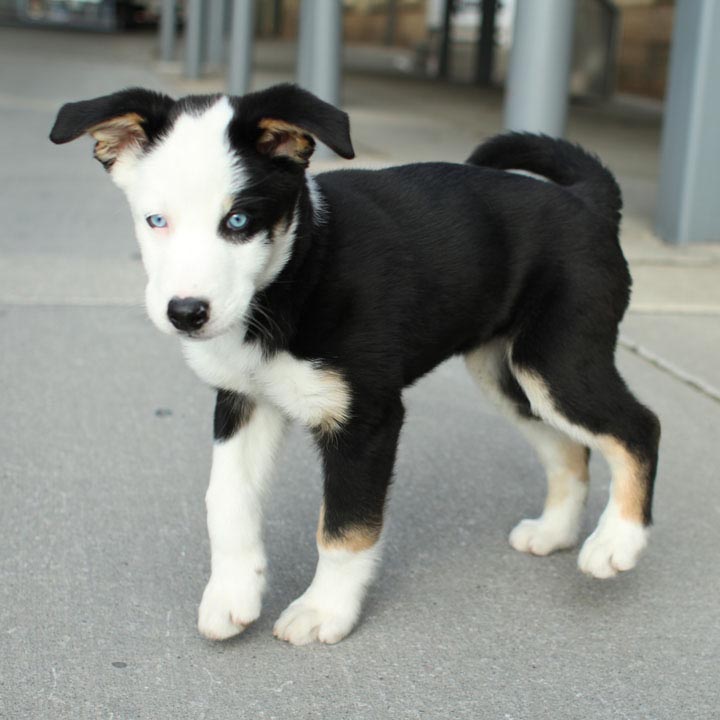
(188, 314)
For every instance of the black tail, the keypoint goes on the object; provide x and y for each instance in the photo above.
(560, 161)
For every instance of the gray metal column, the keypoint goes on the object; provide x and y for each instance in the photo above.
(215, 40)
(168, 18)
(445, 48)
(327, 49)
(485, 57)
(536, 95)
(193, 38)
(241, 46)
(392, 22)
(305, 51)
(688, 205)
(277, 18)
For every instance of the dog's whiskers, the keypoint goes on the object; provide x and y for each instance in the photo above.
(258, 313)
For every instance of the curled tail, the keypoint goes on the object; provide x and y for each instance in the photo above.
(560, 161)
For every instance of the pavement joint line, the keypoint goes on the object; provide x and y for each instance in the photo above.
(692, 381)
(684, 310)
(679, 262)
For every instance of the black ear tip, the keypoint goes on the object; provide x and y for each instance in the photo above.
(56, 137)
(60, 132)
(341, 146)
(347, 152)
(345, 147)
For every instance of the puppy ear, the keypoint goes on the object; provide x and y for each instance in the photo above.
(282, 139)
(125, 120)
(285, 118)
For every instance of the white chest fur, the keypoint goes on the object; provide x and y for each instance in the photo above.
(304, 390)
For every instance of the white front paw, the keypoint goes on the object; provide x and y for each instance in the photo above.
(230, 603)
(304, 621)
(543, 536)
(614, 547)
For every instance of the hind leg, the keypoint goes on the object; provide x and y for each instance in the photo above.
(566, 468)
(622, 532)
(564, 460)
(596, 408)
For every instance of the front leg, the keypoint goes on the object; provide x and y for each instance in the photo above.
(358, 462)
(247, 435)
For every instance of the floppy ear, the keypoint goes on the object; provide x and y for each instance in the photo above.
(124, 120)
(284, 119)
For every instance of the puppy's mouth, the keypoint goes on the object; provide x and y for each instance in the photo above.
(194, 334)
(207, 332)
(210, 331)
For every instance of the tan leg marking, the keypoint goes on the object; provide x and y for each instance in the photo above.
(573, 466)
(355, 538)
(565, 460)
(629, 478)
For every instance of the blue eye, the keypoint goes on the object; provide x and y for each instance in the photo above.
(237, 221)
(156, 221)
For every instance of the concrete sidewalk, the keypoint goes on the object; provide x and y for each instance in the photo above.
(106, 449)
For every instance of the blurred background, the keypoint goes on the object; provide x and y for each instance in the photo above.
(106, 436)
(621, 46)
(485, 64)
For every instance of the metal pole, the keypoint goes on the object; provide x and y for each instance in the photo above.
(277, 18)
(612, 51)
(305, 45)
(193, 38)
(536, 96)
(327, 50)
(392, 22)
(241, 46)
(445, 40)
(168, 19)
(215, 43)
(688, 208)
(486, 43)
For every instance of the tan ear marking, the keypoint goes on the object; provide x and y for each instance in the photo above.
(280, 138)
(117, 134)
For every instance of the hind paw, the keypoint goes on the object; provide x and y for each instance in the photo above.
(614, 547)
(542, 536)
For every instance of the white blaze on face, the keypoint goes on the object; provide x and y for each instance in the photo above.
(190, 178)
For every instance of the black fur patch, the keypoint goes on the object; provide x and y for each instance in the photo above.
(232, 411)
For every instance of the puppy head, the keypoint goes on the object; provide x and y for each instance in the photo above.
(213, 183)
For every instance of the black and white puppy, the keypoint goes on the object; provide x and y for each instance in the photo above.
(318, 299)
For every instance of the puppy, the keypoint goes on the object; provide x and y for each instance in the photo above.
(318, 299)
